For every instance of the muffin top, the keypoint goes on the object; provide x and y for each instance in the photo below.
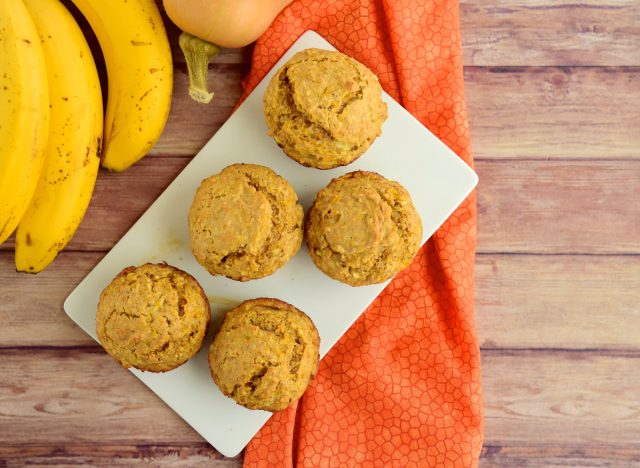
(153, 317)
(324, 108)
(363, 229)
(245, 222)
(264, 354)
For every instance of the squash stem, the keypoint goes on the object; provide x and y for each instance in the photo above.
(198, 53)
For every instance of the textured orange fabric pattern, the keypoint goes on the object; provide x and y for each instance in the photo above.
(402, 386)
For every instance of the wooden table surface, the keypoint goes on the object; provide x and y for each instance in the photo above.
(553, 89)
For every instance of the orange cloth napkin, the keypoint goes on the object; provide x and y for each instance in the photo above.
(402, 386)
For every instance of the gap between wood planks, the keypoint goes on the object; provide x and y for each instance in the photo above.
(629, 353)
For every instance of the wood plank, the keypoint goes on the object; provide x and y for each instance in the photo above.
(557, 455)
(172, 455)
(522, 301)
(31, 312)
(524, 206)
(554, 112)
(542, 398)
(57, 397)
(97, 454)
(80, 396)
(514, 112)
(195, 454)
(559, 206)
(560, 301)
(544, 32)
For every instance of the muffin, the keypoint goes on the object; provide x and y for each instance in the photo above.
(245, 222)
(153, 317)
(265, 354)
(324, 109)
(362, 229)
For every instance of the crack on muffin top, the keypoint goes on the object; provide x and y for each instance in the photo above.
(254, 231)
(362, 229)
(324, 109)
(264, 354)
(153, 317)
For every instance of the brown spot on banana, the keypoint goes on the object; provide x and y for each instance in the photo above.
(28, 239)
(140, 43)
(99, 147)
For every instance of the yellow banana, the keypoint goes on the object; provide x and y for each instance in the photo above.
(140, 76)
(73, 148)
(24, 112)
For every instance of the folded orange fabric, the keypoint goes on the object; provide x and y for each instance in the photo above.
(402, 386)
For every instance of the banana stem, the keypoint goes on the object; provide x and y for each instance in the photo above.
(198, 53)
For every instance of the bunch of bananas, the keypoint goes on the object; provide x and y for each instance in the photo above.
(52, 129)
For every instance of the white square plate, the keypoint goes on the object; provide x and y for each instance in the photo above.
(436, 178)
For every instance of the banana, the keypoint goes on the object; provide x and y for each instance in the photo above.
(73, 148)
(24, 112)
(139, 72)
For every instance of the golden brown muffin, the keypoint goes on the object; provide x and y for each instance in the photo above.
(324, 109)
(264, 354)
(362, 229)
(153, 317)
(245, 222)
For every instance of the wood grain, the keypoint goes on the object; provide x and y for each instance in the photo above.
(522, 301)
(515, 112)
(558, 301)
(56, 397)
(99, 455)
(543, 397)
(31, 312)
(524, 206)
(558, 455)
(559, 207)
(543, 32)
(554, 112)
(195, 454)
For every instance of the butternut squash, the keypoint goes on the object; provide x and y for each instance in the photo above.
(211, 24)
